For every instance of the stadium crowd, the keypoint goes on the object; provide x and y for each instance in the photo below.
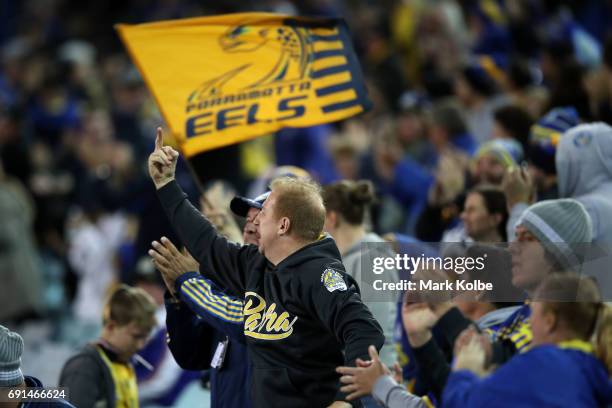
(491, 124)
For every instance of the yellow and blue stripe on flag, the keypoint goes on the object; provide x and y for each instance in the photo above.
(224, 79)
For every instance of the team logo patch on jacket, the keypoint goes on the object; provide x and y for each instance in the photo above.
(332, 280)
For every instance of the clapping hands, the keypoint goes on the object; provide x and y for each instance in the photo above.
(472, 350)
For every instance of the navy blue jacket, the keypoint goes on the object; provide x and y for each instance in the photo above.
(546, 376)
(197, 324)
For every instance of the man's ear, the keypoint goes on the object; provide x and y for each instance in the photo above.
(333, 218)
(284, 226)
(550, 321)
(110, 324)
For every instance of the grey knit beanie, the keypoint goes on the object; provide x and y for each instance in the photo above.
(11, 348)
(562, 226)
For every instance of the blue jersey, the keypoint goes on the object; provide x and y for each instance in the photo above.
(563, 375)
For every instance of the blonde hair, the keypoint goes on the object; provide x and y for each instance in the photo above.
(603, 336)
(577, 303)
(130, 305)
(300, 201)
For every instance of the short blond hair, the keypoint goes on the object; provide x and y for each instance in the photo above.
(300, 201)
(127, 305)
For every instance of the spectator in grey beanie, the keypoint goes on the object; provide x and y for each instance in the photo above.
(563, 228)
(546, 234)
(11, 349)
(551, 236)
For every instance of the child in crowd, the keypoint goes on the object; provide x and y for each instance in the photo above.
(102, 373)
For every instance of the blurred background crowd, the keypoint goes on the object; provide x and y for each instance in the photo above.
(463, 90)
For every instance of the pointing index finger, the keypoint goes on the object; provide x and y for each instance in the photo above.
(159, 139)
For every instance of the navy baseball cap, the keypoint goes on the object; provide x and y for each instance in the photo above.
(241, 205)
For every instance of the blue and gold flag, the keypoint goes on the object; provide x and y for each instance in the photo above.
(225, 79)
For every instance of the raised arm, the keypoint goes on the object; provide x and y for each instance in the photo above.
(221, 260)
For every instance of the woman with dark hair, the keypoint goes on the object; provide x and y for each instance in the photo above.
(347, 205)
(485, 215)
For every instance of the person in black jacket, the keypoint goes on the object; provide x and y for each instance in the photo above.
(303, 315)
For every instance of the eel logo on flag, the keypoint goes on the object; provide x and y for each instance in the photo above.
(291, 64)
(225, 79)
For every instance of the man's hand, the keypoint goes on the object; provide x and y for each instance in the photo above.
(214, 204)
(360, 380)
(449, 177)
(418, 320)
(472, 351)
(162, 162)
(518, 187)
(171, 263)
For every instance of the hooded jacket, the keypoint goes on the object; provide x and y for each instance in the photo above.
(299, 315)
(584, 172)
(546, 376)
